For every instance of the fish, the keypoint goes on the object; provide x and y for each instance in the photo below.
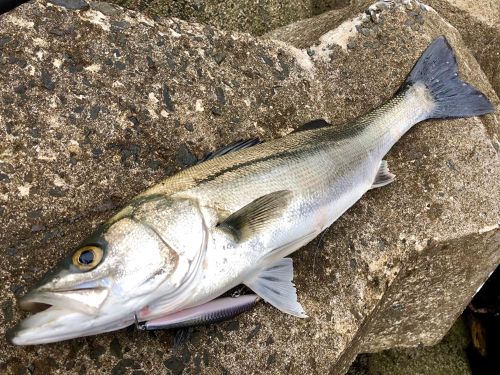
(166, 258)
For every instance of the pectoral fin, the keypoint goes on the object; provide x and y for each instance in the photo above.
(383, 177)
(274, 285)
(256, 215)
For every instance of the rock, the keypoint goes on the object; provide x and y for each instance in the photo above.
(477, 23)
(255, 17)
(449, 356)
(395, 270)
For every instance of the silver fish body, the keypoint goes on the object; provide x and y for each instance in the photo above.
(232, 219)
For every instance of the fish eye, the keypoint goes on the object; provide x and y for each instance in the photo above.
(87, 257)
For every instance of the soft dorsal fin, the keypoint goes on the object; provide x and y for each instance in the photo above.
(274, 285)
(383, 177)
(311, 125)
(256, 215)
(235, 146)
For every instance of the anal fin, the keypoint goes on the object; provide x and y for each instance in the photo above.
(383, 177)
(274, 285)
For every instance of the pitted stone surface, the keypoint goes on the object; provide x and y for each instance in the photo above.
(99, 103)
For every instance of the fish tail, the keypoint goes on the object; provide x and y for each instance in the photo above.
(437, 69)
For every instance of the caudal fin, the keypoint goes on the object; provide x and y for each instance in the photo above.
(437, 69)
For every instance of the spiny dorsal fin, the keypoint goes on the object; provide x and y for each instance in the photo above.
(383, 177)
(311, 125)
(235, 146)
(274, 285)
(256, 215)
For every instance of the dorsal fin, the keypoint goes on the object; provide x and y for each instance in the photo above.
(256, 215)
(311, 125)
(235, 146)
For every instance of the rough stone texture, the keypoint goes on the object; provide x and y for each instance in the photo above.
(447, 357)
(479, 26)
(255, 17)
(86, 125)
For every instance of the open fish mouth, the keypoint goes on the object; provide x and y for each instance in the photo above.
(87, 301)
(59, 316)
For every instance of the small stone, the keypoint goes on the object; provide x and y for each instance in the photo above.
(120, 65)
(20, 90)
(57, 31)
(4, 177)
(267, 60)
(271, 359)
(253, 332)
(35, 214)
(96, 152)
(47, 80)
(351, 44)
(151, 63)
(219, 57)
(216, 111)
(56, 192)
(154, 164)
(4, 40)
(269, 340)
(233, 325)
(31, 368)
(94, 112)
(120, 25)
(188, 126)
(2, 210)
(365, 31)
(71, 4)
(311, 52)
(175, 365)
(106, 8)
(167, 99)
(185, 157)
(219, 93)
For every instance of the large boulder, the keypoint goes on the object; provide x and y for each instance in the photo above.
(97, 103)
(255, 17)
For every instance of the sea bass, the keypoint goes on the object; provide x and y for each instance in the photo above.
(164, 260)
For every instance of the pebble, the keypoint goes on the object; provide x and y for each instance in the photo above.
(219, 93)
(365, 31)
(175, 365)
(106, 8)
(47, 81)
(219, 57)
(351, 45)
(71, 4)
(216, 111)
(167, 99)
(185, 157)
(38, 228)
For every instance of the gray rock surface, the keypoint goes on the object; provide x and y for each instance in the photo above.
(447, 357)
(255, 17)
(99, 103)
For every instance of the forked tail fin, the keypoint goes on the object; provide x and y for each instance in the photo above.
(437, 69)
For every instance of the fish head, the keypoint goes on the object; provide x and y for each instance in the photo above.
(98, 287)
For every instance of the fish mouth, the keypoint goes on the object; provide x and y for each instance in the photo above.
(65, 314)
(86, 300)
